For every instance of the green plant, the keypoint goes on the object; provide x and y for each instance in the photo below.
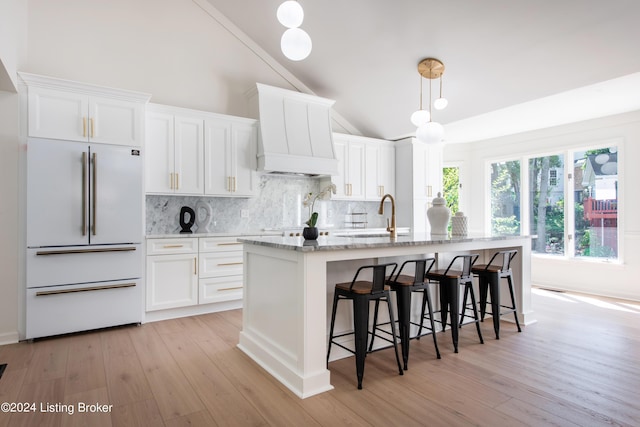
(310, 201)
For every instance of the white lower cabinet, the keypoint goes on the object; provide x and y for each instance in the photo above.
(172, 273)
(220, 269)
(185, 272)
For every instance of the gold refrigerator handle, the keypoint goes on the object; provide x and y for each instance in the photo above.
(84, 193)
(95, 193)
(88, 289)
(85, 251)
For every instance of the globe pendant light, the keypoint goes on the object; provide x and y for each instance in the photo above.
(440, 103)
(290, 14)
(295, 44)
(428, 131)
(420, 117)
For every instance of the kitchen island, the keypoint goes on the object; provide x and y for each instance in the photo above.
(288, 289)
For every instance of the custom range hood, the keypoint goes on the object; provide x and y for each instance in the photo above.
(295, 133)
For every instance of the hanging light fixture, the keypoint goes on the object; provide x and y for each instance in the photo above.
(295, 42)
(442, 102)
(428, 131)
(420, 116)
(290, 14)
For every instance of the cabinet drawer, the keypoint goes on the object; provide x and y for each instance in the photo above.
(185, 245)
(214, 264)
(219, 244)
(82, 264)
(216, 289)
(63, 309)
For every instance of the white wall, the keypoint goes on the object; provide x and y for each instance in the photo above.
(173, 49)
(618, 280)
(13, 28)
(12, 41)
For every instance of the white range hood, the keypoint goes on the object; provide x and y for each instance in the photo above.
(295, 133)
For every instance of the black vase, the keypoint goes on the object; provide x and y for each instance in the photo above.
(310, 233)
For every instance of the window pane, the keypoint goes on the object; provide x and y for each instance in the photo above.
(547, 204)
(505, 198)
(451, 189)
(596, 207)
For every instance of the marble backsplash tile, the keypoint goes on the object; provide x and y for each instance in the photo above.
(278, 205)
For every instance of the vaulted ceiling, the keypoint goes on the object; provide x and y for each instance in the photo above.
(548, 58)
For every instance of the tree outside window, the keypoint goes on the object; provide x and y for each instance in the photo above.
(505, 198)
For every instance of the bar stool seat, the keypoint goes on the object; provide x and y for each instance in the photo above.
(405, 285)
(361, 293)
(489, 276)
(450, 280)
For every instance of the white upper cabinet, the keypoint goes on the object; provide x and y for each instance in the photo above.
(366, 168)
(418, 180)
(60, 109)
(230, 156)
(380, 169)
(175, 153)
(349, 182)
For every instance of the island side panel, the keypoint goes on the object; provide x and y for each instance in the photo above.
(283, 324)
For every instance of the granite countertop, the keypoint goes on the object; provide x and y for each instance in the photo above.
(332, 242)
(278, 233)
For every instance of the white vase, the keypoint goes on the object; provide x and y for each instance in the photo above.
(438, 216)
(459, 224)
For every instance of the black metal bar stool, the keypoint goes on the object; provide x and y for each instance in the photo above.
(404, 286)
(489, 276)
(450, 281)
(361, 292)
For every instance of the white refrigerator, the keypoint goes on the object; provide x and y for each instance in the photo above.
(84, 236)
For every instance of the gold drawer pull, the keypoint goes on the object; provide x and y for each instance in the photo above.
(230, 289)
(229, 243)
(172, 246)
(229, 263)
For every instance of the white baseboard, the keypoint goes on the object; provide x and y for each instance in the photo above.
(9, 338)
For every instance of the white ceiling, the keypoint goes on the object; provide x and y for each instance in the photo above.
(542, 56)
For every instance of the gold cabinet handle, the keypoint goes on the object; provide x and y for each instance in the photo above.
(172, 246)
(177, 181)
(195, 266)
(229, 243)
(234, 184)
(91, 126)
(84, 127)
(84, 193)
(429, 191)
(229, 289)
(226, 264)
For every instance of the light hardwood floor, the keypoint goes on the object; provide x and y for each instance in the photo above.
(578, 366)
